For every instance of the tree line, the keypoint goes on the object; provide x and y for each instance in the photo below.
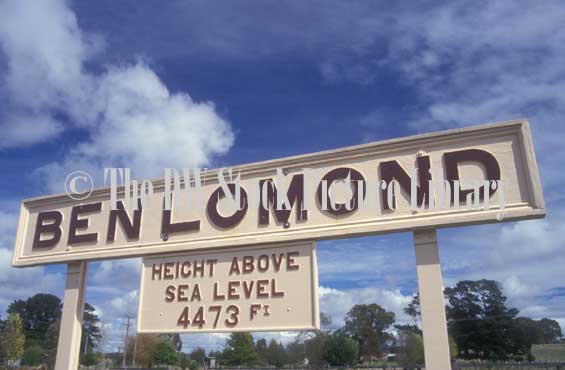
(31, 332)
(481, 327)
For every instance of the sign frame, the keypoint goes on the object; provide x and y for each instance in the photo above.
(533, 208)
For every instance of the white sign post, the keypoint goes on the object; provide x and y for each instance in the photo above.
(432, 307)
(68, 348)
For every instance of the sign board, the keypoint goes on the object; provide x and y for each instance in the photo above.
(249, 289)
(58, 229)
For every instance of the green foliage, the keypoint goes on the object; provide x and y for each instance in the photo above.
(13, 338)
(38, 313)
(413, 308)
(407, 328)
(295, 353)
(479, 320)
(452, 348)
(198, 355)
(165, 354)
(275, 354)
(34, 355)
(411, 349)
(367, 324)
(551, 330)
(89, 359)
(341, 350)
(91, 334)
(315, 348)
(240, 350)
(261, 349)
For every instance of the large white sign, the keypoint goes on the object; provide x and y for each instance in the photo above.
(397, 185)
(249, 289)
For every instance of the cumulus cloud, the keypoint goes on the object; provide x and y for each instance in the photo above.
(337, 303)
(22, 283)
(130, 117)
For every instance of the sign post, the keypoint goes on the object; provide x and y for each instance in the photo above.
(430, 285)
(68, 348)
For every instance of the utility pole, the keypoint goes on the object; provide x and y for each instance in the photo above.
(134, 350)
(125, 342)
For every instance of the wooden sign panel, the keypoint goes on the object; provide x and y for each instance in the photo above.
(249, 289)
(59, 229)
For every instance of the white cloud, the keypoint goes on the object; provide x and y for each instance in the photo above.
(8, 223)
(131, 117)
(337, 303)
(126, 271)
(25, 282)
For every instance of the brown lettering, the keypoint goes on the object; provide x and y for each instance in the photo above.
(341, 173)
(261, 287)
(290, 261)
(263, 263)
(248, 264)
(53, 228)
(77, 224)
(131, 229)
(453, 159)
(234, 267)
(181, 292)
(392, 170)
(212, 208)
(170, 293)
(217, 296)
(277, 262)
(157, 270)
(274, 292)
(248, 288)
(232, 293)
(295, 195)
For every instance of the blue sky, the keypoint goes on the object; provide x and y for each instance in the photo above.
(149, 85)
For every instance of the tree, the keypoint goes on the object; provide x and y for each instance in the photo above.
(295, 353)
(89, 359)
(92, 335)
(198, 355)
(174, 339)
(407, 328)
(341, 350)
(34, 355)
(315, 348)
(525, 332)
(240, 350)
(413, 308)
(479, 320)
(145, 349)
(275, 355)
(165, 354)
(261, 349)
(411, 349)
(551, 330)
(13, 338)
(38, 313)
(367, 324)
